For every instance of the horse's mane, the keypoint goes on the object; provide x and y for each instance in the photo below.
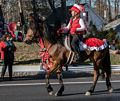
(50, 33)
(44, 29)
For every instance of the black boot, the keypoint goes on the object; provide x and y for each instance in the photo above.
(78, 54)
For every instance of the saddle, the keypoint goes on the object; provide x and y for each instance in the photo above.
(67, 44)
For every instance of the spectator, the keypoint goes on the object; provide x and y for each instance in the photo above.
(106, 42)
(115, 51)
(113, 46)
(12, 28)
(19, 36)
(7, 55)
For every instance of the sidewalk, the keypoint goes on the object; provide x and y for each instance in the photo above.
(25, 70)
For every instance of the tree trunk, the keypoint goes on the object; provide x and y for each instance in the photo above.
(63, 5)
(109, 12)
(2, 18)
(117, 7)
(21, 13)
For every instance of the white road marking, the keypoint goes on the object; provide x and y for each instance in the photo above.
(56, 83)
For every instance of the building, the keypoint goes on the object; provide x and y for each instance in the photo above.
(115, 25)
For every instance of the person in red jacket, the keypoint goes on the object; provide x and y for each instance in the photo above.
(7, 55)
(12, 28)
(76, 26)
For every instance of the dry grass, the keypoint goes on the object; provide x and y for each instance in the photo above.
(115, 59)
(29, 55)
(26, 54)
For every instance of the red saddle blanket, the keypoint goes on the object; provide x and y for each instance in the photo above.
(94, 44)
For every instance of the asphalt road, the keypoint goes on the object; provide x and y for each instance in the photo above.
(33, 89)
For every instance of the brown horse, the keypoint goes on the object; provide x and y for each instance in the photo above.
(61, 56)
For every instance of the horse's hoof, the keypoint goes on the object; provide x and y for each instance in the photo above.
(88, 93)
(111, 90)
(50, 93)
(58, 94)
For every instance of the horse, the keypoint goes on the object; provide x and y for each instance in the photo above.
(61, 56)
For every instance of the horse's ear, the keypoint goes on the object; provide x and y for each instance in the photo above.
(42, 18)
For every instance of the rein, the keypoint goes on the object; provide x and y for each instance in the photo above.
(48, 47)
(37, 44)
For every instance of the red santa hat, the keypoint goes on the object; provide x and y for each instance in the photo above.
(78, 8)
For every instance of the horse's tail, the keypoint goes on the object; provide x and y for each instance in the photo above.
(106, 63)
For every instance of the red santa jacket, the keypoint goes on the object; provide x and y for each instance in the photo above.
(74, 24)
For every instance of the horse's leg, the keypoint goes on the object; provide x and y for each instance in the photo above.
(108, 83)
(66, 67)
(106, 64)
(48, 86)
(60, 91)
(95, 79)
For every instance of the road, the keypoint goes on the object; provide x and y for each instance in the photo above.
(33, 89)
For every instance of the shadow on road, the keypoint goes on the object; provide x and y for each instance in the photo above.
(41, 75)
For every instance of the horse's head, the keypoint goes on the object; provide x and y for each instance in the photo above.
(35, 29)
(40, 28)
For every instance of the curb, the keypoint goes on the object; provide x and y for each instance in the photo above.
(28, 70)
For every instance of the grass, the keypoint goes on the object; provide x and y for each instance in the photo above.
(26, 54)
(29, 55)
(115, 59)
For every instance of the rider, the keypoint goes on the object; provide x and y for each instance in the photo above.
(76, 26)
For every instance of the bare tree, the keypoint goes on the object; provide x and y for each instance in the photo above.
(109, 12)
(22, 20)
(1, 16)
(117, 7)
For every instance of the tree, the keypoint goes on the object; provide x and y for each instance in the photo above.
(22, 20)
(116, 7)
(109, 12)
(111, 35)
(1, 17)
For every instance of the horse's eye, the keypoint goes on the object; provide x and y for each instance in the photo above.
(31, 35)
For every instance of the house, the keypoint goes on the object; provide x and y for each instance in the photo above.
(115, 25)
(92, 16)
